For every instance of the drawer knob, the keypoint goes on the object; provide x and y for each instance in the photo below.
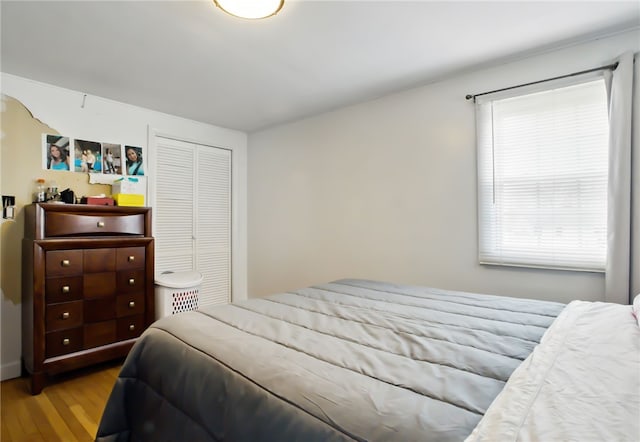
(132, 304)
(132, 281)
(131, 258)
(65, 263)
(100, 223)
(66, 341)
(65, 315)
(132, 327)
(66, 289)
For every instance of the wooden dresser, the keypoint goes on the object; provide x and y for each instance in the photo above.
(87, 286)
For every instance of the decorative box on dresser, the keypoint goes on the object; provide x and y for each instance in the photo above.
(87, 288)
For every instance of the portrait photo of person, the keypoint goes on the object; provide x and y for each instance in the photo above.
(111, 158)
(88, 156)
(134, 160)
(56, 155)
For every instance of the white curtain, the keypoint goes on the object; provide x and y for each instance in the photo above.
(619, 260)
(635, 183)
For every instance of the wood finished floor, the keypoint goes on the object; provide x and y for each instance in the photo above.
(68, 409)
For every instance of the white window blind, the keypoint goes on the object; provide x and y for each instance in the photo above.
(193, 215)
(542, 178)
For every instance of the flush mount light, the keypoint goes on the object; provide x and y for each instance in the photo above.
(251, 9)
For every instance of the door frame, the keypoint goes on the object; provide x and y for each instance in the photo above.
(238, 147)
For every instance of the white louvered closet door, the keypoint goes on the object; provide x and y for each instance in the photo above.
(173, 212)
(213, 224)
(193, 215)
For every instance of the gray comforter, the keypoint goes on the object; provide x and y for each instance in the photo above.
(348, 360)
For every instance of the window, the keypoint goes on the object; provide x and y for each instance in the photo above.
(542, 177)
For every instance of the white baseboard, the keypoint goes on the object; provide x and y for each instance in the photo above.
(10, 370)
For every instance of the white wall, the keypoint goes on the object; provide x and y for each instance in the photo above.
(387, 189)
(105, 120)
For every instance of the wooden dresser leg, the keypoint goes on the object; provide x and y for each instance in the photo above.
(37, 383)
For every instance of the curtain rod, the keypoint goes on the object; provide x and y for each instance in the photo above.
(611, 67)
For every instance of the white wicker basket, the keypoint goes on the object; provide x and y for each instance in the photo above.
(176, 292)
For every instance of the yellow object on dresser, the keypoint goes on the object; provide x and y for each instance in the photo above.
(129, 199)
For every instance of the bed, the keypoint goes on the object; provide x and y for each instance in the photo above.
(368, 360)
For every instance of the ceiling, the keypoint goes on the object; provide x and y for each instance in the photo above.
(190, 59)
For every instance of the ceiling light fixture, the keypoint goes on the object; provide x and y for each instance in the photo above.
(251, 9)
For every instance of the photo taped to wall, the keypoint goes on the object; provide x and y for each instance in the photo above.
(88, 156)
(111, 158)
(56, 155)
(134, 160)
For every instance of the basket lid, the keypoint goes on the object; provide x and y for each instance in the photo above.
(179, 280)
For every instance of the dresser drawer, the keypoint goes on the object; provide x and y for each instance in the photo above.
(63, 263)
(130, 327)
(128, 305)
(63, 315)
(63, 289)
(100, 309)
(99, 333)
(99, 260)
(97, 285)
(63, 342)
(73, 224)
(130, 258)
(130, 281)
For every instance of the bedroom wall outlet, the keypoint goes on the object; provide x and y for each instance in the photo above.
(8, 207)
